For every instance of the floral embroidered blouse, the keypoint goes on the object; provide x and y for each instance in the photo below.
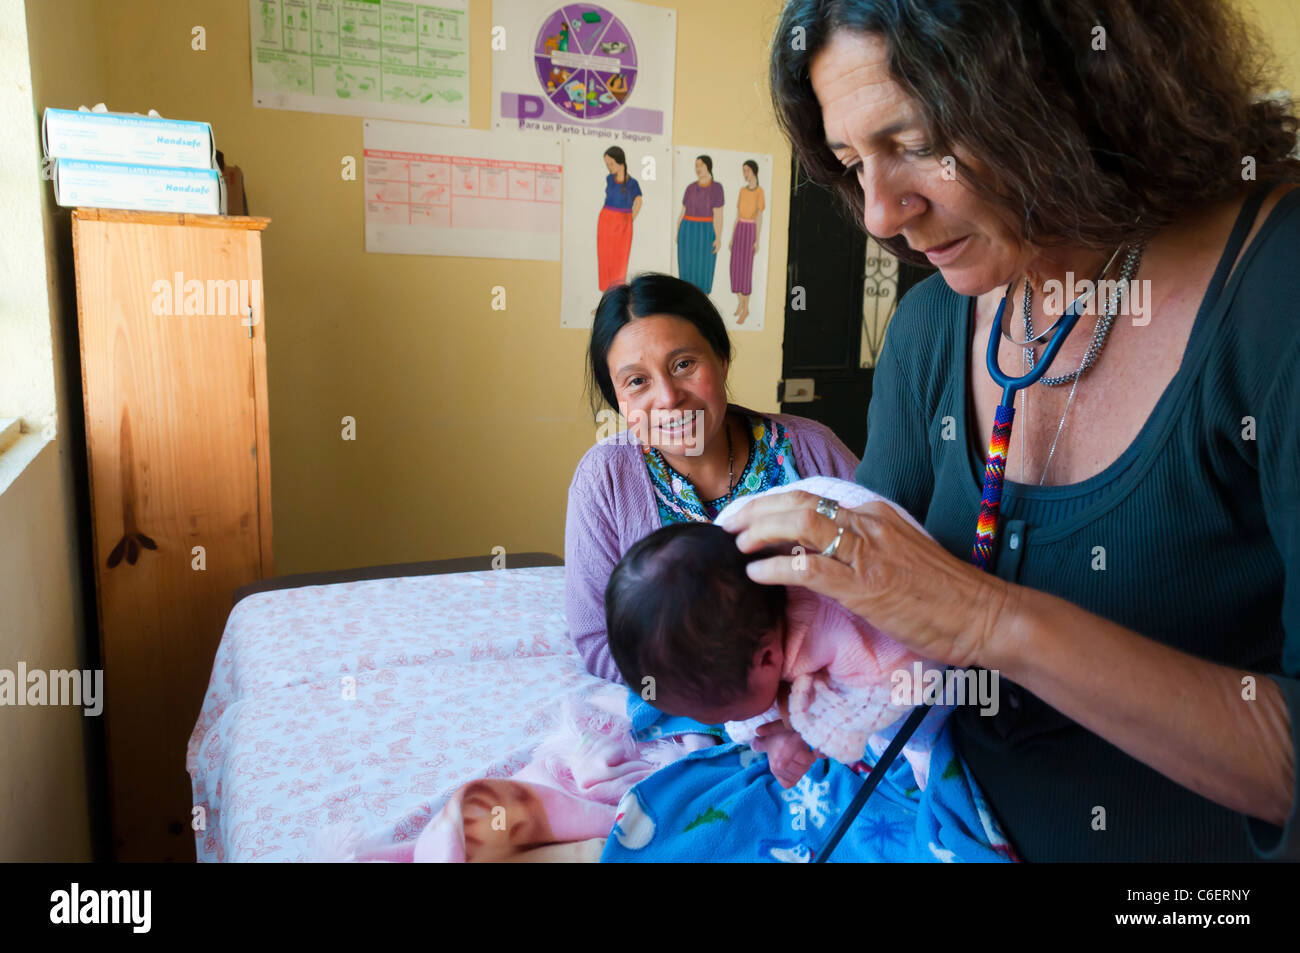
(771, 463)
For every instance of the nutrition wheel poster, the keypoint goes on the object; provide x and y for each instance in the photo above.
(592, 70)
(386, 59)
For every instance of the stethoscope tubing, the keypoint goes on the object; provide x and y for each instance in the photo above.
(1010, 385)
(985, 533)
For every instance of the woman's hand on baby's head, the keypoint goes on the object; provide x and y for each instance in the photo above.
(884, 570)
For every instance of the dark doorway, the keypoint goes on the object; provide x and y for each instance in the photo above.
(825, 274)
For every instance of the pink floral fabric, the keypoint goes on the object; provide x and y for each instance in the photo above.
(354, 711)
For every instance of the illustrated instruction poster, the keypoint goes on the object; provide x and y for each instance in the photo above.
(433, 190)
(603, 70)
(605, 246)
(389, 59)
(734, 276)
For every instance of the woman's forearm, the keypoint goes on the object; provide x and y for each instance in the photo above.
(1182, 716)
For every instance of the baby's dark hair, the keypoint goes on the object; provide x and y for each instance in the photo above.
(680, 607)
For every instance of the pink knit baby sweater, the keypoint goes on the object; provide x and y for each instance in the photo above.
(841, 669)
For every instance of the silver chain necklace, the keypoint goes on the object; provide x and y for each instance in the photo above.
(1102, 329)
(1099, 335)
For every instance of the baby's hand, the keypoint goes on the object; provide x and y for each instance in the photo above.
(788, 756)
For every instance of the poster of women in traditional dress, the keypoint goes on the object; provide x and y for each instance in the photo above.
(699, 226)
(616, 220)
(720, 231)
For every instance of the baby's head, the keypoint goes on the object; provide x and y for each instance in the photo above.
(681, 609)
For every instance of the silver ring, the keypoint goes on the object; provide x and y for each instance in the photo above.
(828, 508)
(835, 544)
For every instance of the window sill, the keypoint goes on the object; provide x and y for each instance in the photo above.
(17, 449)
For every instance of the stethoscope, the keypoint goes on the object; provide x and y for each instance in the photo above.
(986, 529)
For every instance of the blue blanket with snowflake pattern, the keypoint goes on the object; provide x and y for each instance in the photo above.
(723, 804)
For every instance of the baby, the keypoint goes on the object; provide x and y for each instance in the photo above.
(783, 667)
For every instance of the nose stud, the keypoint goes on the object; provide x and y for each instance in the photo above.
(902, 201)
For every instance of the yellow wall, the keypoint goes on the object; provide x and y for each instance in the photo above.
(1279, 26)
(50, 793)
(469, 421)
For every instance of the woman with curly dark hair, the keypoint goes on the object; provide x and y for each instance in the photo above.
(1144, 608)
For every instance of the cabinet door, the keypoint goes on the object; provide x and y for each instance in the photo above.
(171, 426)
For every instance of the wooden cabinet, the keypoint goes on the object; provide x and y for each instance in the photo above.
(173, 358)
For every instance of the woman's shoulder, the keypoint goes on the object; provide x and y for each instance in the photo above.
(925, 338)
(804, 428)
(614, 452)
(791, 423)
(813, 443)
(612, 468)
(1265, 342)
(1270, 264)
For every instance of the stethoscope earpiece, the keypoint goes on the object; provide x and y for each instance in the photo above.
(1059, 331)
(1062, 326)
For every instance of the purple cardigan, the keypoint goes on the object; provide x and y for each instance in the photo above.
(612, 506)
